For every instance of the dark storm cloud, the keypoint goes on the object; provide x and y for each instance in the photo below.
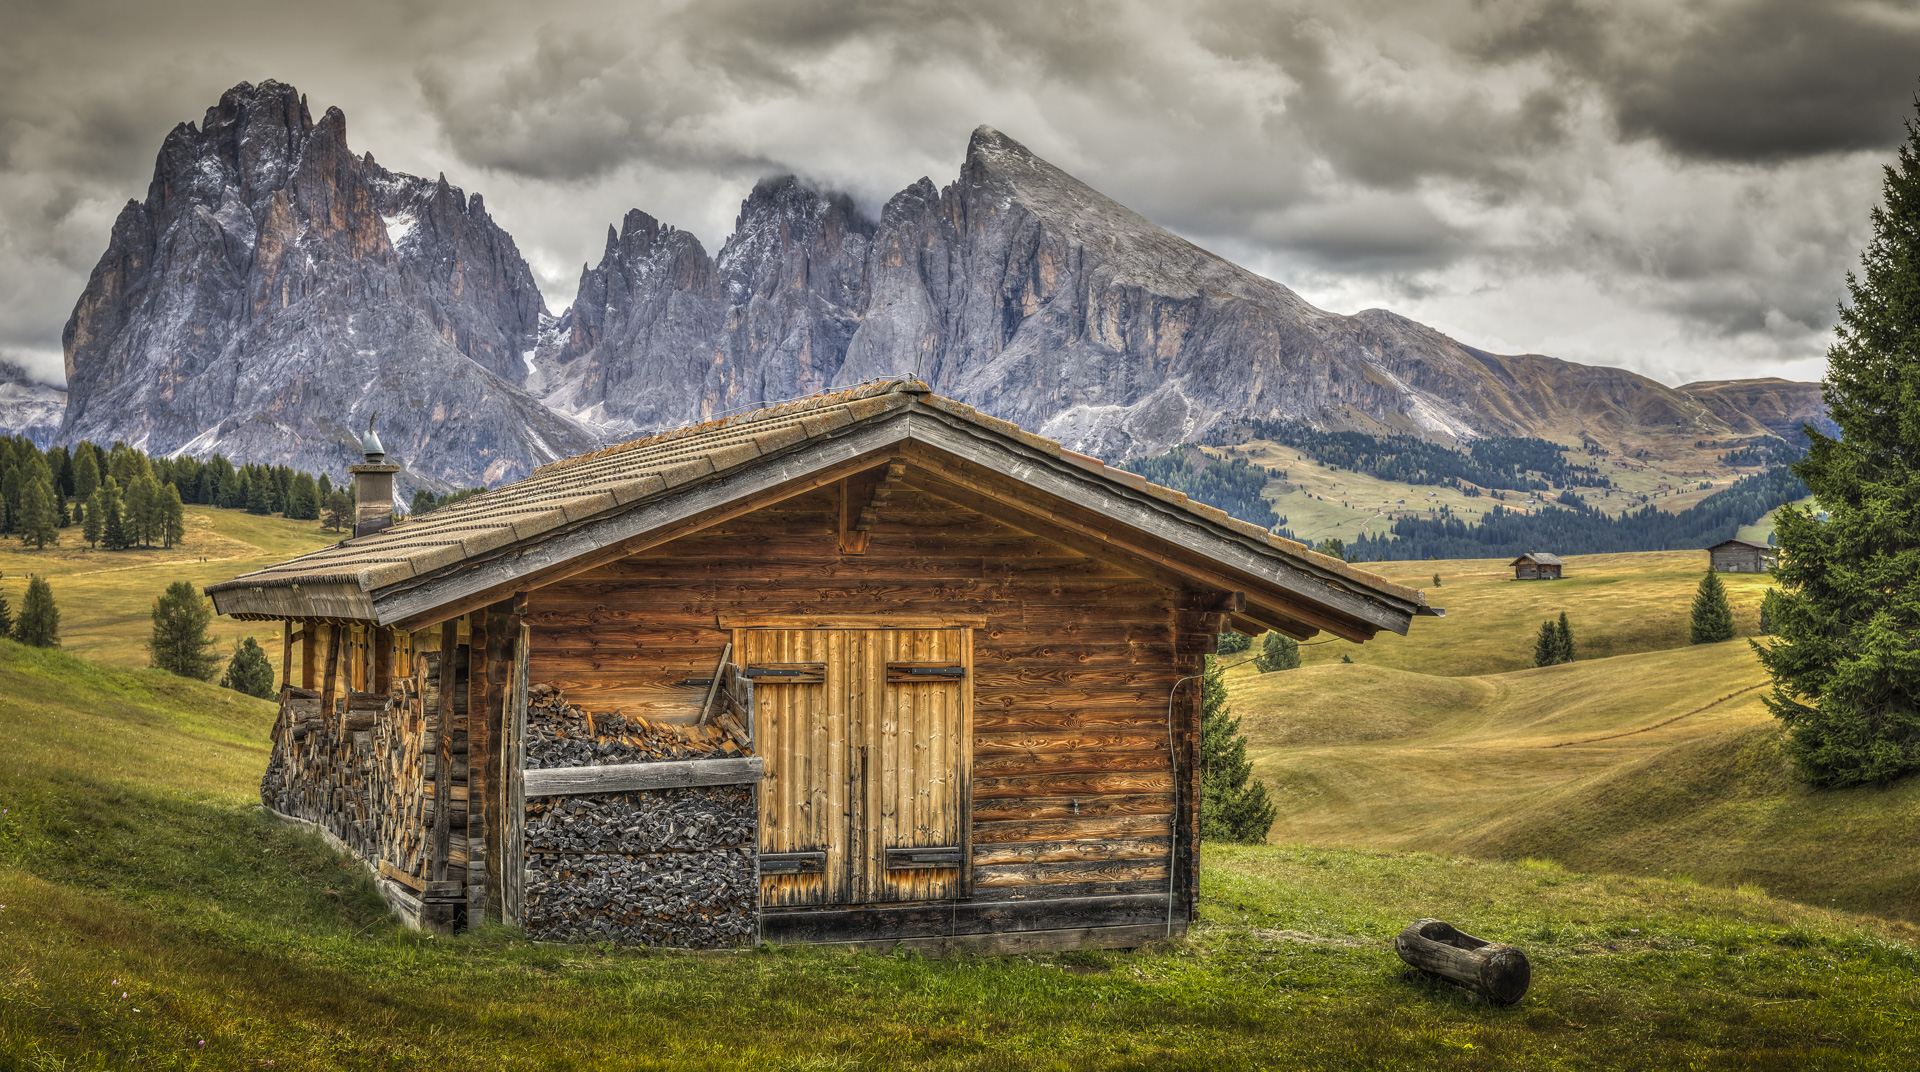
(1687, 179)
(1757, 80)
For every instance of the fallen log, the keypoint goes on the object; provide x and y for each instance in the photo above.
(1496, 971)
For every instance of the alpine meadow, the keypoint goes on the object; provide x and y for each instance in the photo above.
(1204, 535)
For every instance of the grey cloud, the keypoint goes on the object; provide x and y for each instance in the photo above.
(1752, 80)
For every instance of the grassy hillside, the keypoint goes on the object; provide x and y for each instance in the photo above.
(151, 916)
(1616, 604)
(106, 597)
(1661, 763)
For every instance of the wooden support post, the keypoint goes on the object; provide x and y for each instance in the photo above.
(382, 661)
(309, 656)
(286, 653)
(479, 682)
(713, 686)
(513, 870)
(443, 750)
(503, 626)
(329, 690)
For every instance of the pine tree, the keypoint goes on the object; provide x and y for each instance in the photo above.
(259, 499)
(339, 511)
(38, 524)
(12, 483)
(1233, 803)
(1546, 647)
(39, 621)
(1563, 640)
(1846, 679)
(1436, 580)
(249, 670)
(6, 617)
(179, 644)
(96, 511)
(1712, 615)
(136, 509)
(423, 502)
(1233, 643)
(1277, 652)
(113, 529)
(303, 499)
(1767, 612)
(174, 517)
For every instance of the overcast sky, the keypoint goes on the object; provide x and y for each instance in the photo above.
(1677, 188)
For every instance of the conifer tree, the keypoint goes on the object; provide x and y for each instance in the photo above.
(1563, 639)
(174, 517)
(1277, 652)
(38, 524)
(259, 499)
(249, 670)
(1712, 615)
(113, 530)
(1233, 803)
(179, 644)
(1546, 647)
(303, 499)
(136, 511)
(1767, 612)
(338, 513)
(86, 472)
(6, 617)
(1846, 679)
(1231, 643)
(423, 502)
(39, 621)
(96, 509)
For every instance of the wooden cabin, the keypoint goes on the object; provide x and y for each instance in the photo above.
(1536, 566)
(1740, 556)
(867, 667)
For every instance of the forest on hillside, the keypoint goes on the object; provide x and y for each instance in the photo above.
(1513, 462)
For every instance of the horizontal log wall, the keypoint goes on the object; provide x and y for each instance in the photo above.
(1073, 791)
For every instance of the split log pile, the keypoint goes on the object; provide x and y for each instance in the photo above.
(366, 774)
(562, 735)
(661, 867)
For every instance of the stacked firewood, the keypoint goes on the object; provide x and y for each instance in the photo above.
(322, 767)
(663, 867)
(562, 735)
(667, 867)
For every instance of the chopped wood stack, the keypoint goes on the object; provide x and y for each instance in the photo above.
(367, 774)
(562, 735)
(663, 867)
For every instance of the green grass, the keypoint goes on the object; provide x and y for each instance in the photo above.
(1617, 604)
(106, 597)
(134, 861)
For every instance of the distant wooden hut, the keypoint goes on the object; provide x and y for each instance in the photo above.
(866, 667)
(1536, 566)
(1741, 556)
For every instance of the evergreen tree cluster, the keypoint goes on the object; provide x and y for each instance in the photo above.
(1555, 643)
(1845, 660)
(1582, 530)
(1514, 462)
(426, 502)
(1233, 803)
(1230, 484)
(121, 497)
(1277, 652)
(1232, 643)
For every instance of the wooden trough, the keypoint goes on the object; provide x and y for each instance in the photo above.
(1495, 971)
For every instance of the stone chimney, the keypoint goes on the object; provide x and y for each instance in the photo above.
(372, 485)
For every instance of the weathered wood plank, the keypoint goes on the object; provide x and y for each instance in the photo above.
(1022, 806)
(1003, 831)
(627, 777)
(1077, 871)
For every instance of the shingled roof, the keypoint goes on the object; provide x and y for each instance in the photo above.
(358, 578)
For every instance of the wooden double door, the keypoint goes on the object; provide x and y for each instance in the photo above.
(866, 736)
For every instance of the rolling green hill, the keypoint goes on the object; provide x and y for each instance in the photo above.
(152, 916)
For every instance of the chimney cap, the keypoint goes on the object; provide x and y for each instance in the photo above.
(370, 442)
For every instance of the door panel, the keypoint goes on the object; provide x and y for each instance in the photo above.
(861, 769)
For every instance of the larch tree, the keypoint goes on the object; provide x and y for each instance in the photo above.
(1845, 653)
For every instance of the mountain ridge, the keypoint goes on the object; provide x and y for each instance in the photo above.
(274, 290)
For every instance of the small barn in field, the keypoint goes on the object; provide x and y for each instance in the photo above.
(1741, 556)
(866, 667)
(1536, 566)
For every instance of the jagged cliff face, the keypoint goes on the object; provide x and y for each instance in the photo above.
(1023, 291)
(273, 289)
